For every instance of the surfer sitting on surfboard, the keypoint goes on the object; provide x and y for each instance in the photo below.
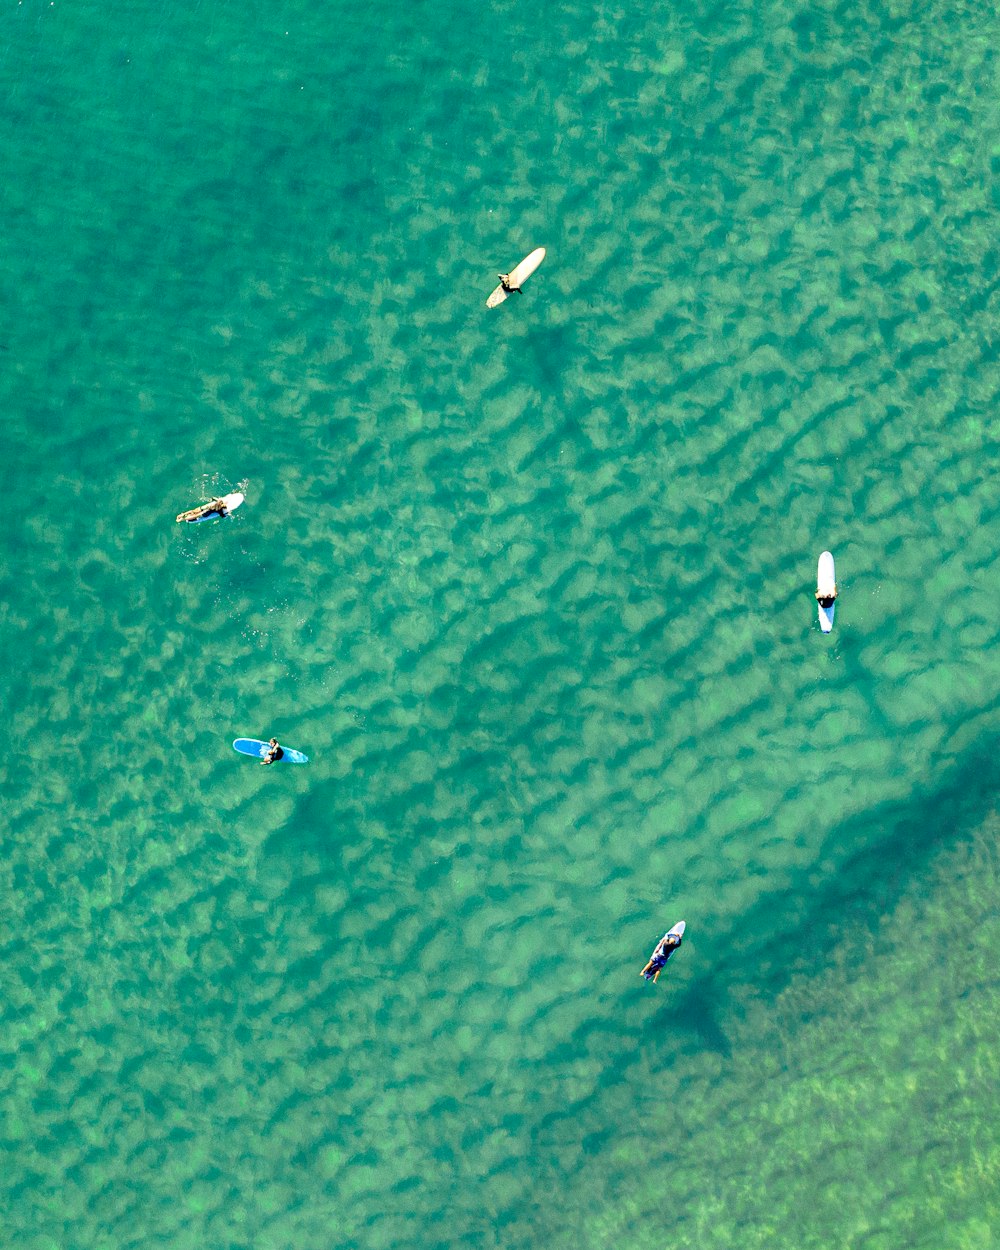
(825, 599)
(273, 752)
(505, 283)
(206, 509)
(657, 961)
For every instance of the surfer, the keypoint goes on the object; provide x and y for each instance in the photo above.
(511, 283)
(825, 599)
(273, 752)
(665, 947)
(206, 509)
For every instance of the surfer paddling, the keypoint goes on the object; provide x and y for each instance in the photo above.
(273, 752)
(216, 506)
(665, 947)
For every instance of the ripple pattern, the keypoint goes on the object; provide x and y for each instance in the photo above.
(533, 591)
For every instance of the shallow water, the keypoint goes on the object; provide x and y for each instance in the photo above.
(533, 589)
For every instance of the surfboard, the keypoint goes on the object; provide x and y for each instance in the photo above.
(256, 748)
(231, 501)
(826, 583)
(517, 275)
(676, 931)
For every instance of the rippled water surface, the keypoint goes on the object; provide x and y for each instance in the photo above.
(533, 589)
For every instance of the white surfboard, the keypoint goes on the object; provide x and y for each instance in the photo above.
(826, 584)
(232, 502)
(678, 932)
(516, 276)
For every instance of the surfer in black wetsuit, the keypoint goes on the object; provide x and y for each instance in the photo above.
(505, 283)
(273, 753)
(826, 600)
(665, 947)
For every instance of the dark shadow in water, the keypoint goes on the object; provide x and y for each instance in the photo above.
(550, 349)
(795, 931)
(326, 821)
(695, 1012)
(861, 870)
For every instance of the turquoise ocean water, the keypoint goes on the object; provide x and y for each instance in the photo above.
(533, 589)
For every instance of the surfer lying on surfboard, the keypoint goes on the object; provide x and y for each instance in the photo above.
(214, 506)
(825, 599)
(665, 947)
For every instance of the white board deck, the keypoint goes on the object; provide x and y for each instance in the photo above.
(678, 932)
(826, 583)
(521, 271)
(232, 502)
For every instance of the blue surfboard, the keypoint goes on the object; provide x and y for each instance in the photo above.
(256, 748)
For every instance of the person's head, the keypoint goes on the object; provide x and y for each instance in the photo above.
(273, 742)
